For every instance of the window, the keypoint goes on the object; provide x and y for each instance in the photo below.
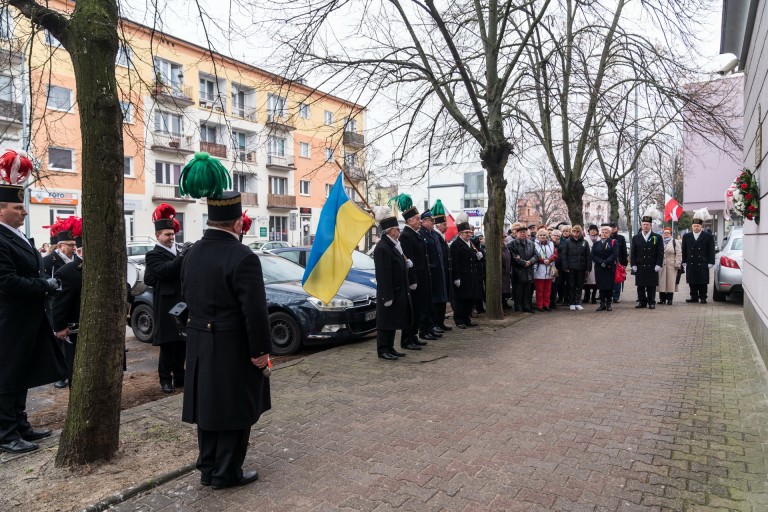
(350, 160)
(474, 182)
(350, 125)
(128, 166)
(208, 133)
(479, 203)
(329, 154)
(123, 56)
(127, 109)
(6, 88)
(276, 146)
(61, 159)
(328, 188)
(304, 149)
(303, 111)
(293, 256)
(180, 235)
(350, 193)
(304, 188)
(51, 41)
(165, 122)
(239, 182)
(238, 102)
(275, 106)
(278, 186)
(59, 98)
(328, 117)
(61, 213)
(208, 90)
(278, 228)
(167, 173)
(6, 24)
(169, 74)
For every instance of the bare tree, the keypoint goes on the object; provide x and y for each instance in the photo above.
(543, 191)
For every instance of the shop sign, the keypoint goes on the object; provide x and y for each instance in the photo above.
(53, 197)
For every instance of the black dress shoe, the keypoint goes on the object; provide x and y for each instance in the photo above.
(446, 328)
(472, 324)
(601, 307)
(60, 384)
(703, 301)
(608, 308)
(205, 480)
(248, 477)
(437, 330)
(436, 334)
(34, 435)
(396, 353)
(387, 356)
(18, 446)
(426, 336)
(411, 346)
(461, 326)
(419, 343)
(167, 388)
(691, 300)
(652, 305)
(641, 305)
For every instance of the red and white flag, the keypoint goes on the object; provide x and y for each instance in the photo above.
(452, 230)
(672, 209)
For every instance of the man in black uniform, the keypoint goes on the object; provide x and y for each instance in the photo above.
(64, 253)
(393, 301)
(437, 274)
(441, 295)
(65, 309)
(623, 257)
(467, 277)
(163, 274)
(415, 249)
(647, 256)
(698, 256)
(228, 334)
(29, 351)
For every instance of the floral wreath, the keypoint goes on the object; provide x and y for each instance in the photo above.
(746, 196)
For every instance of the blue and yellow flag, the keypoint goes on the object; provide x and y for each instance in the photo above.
(342, 225)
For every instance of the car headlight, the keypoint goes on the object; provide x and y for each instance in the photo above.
(334, 305)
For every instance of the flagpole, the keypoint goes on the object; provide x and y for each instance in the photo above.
(369, 209)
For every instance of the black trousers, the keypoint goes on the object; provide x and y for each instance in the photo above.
(666, 296)
(646, 294)
(221, 454)
(438, 313)
(69, 354)
(463, 310)
(574, 282)
(385, 340)
(698, 291)
(13, 416)
(606, 297)
(170, 364)
(523, 292)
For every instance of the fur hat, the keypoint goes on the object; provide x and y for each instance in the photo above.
(462, 222)
(701, 216)
(651, 214)
(15, 167)
(164, 217)
(385, 217)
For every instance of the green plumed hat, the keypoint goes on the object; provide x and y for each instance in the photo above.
(438, 212)
(404, 203)
(205, 176)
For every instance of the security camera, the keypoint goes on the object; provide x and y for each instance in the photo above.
(729, 62)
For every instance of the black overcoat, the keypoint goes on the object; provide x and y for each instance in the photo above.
(605, 251)
(506, 270)
(574, 254)
(391, 284)
(523, 251)
(30, 354)
(438, 265)
(697, 256)
(53, 262)
(448, 264)
(415, 249)
(623, 255)
(466, 267)
(223, 286)
(646, 256)
(163, 274)
(65, 305)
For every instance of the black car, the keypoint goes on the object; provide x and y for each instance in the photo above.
(295, 317)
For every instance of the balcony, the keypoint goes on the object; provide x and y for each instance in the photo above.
(280, 162)
(217, 103)
(172, 142)
(10, 112)
(173, 93)
(165, 192)
(248, 157)
(244, 112)
(249, 198)
(354, 172)
(279, 122)
(214, 149)
(281, 201)
(355, 140)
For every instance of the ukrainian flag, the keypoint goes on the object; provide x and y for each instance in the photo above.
(342, 225)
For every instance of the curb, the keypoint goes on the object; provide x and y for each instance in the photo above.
(130, 492)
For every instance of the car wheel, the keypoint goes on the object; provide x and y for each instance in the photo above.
(142, 323)
(286, 334)
(718, 296)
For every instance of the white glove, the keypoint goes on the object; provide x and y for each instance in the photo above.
(656, 268)
(388, 303)
(479, 255)
(457, 283)
(413, 286)
(684, 265)
(709, 265)
(408, 263)
(634, 268)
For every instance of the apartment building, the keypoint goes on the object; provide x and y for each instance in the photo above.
(283, 142)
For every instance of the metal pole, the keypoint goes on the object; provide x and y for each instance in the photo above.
(25, 133)
(636, 192)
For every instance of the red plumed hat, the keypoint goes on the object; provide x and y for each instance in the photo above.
(164, 217)
(15, 167)
(247, 221)
(55, 228)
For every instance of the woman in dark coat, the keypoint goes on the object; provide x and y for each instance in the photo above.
(577, 262)
(605, 254)
(506, 275)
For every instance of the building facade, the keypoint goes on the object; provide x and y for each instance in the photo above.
(283, 142)
(547, 207)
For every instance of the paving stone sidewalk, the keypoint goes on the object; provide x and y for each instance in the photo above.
(622, 411)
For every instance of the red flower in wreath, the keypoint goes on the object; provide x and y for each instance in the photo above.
(748, 197)
(751, 208)
(749, 216)
(744, 186)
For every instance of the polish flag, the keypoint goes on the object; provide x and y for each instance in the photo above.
(451, 231)
(672, 209)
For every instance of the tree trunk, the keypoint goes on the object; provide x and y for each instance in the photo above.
(574, 200)
(92, 427)
(613, 199)
(494, 159)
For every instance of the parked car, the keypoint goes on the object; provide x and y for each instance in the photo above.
(295, 317)
(728, 267)
(267, 246)
(134, 249)
(362, 272)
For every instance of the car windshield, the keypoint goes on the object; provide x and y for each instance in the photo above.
(278, 270)
(737, 244)
(256, 245)
(362, 262)
(139, 250)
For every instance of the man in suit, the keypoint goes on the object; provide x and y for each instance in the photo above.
(228, 335)
(698, 250)
(646, 258)
(467, 277)
(163, 274)
(437, 272)
(393, 301)
(65, 252)
(65, 310)
(623, 257)
(29, 351)
(441, 296)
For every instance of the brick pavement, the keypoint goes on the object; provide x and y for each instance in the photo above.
(622, 411)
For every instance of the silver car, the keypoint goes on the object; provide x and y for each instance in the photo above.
(728, 267)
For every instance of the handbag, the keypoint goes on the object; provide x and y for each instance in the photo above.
(621, 273)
